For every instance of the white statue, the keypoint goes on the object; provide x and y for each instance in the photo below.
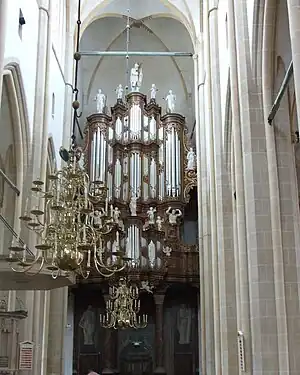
(170, 100)
(136, 77)
(153, 91)
(173, 215)
(116, 215)
(151, 216)
(184, 324)
(191, 160)
(159, 222)
(119, 92)
(100, 99)
(132, 205)
(146, 286)
(88, 325)
(167, 250)
(97, 217)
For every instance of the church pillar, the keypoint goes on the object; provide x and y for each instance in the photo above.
(3, 19)
(203, 87)
(199, 108)
(41, 86)
(294, 23)
(159, 317)
(240, 246)
(57, 323)
(277, 147)
(260, 261)
(67, 126)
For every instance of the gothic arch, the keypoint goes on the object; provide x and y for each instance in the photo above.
(13, 78)
(17, 154)
(91, 12)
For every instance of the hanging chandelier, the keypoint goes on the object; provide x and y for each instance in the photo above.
(72, 235)
(123, 307)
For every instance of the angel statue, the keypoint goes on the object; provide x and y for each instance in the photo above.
(136, 77)
(170, 101)
(173, 215)
(100, 99)
(119, 92)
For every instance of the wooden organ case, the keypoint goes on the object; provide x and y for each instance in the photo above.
(140, 157)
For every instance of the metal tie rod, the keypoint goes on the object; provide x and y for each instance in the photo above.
(135, 53)
(281, 92)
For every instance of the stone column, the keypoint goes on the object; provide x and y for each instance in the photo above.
(294, 21)
(205, 212)
(57, 323)
(68, 110)
(262, 299)
(240, 247)
(42, 70)
(159, 318)
(3, 20)
(213, 99)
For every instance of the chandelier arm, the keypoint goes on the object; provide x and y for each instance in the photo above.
(28, 268)
(101, 273)
(99, 262)
(39, 270)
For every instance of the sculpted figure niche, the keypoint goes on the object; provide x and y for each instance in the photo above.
(184, 324)
(88, 325)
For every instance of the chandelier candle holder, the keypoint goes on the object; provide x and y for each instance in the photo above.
(73, 237)
(123, 307)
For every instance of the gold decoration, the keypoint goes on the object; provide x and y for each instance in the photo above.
(71, 234)
(122, 308)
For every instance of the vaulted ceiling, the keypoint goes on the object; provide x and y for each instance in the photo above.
(156, 25)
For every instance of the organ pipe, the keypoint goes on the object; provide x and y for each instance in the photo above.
(137, 152)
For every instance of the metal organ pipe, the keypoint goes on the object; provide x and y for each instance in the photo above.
(97, 153)
(93, 157)
(168, 165)
(177, 146)
(173, 159)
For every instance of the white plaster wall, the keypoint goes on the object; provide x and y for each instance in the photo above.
(69, 337)
(56, 87)
(23, 51)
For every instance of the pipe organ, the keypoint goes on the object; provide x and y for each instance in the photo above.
(139, 157)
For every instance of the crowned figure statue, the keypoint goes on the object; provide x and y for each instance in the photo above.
(136, 77)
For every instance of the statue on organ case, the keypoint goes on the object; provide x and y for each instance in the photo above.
(173, 215)
(191, 160)
(100, 100)
(132, 205)
(136, 77)
(170, 101)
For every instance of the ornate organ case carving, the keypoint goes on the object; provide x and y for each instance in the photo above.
(140, 157)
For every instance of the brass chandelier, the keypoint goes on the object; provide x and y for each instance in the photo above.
(72, 237)
(123, 307)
